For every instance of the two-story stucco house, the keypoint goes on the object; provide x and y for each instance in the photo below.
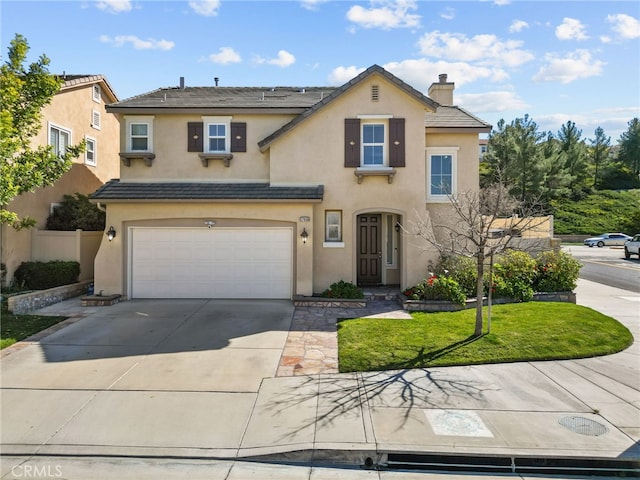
(77, 112)
(275, 192)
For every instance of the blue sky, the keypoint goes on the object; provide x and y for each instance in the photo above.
(554, 60)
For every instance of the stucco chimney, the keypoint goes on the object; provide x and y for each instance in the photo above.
(442, 92)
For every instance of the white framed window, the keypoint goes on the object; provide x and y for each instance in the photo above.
(333, 229)
(217, 131)
(91, 152)
(53, 206)
(96, 93)
(139, 134)
(95, 119)
(374, 132)
(442, 166)
(59, 139)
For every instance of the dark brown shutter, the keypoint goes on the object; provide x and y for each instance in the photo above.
(396, 142)
(195, 137)
(238, 137)
(351, 142)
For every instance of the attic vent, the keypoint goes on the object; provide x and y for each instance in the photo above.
(375, 93)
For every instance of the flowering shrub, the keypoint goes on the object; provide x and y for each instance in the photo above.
(437, 288)
(343, 289)
(556, 272)
(514, 275)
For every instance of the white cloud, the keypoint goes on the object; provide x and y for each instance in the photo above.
(573, 66)
(312, 4)
(484, 49)
(571, 29)
(517, 26)
(498, 101)
(284, 59)
(390, 14)
(422, 73)
(625, 26)
(341, 75)
(206, 8)
(225, 55)
(501, 2)
(448, 13)
(114, 6)
(137, 43)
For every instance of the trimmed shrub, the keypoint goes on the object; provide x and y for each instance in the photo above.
(514, 275)
(76, 213)
(43, 275)
(462, 269)
(343, 289)
(556, 272)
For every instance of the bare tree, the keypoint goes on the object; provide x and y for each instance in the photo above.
(484, 223)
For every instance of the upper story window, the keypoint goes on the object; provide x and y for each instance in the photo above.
(373, 144)
(91, 153)
(139, 134)
(217, 137)
(441, 173)
(217, 131)
(97, 93)
(59, 139)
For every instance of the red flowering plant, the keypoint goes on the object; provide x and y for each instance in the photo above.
(437, 287)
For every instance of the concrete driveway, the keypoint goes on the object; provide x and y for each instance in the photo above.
(146, 373)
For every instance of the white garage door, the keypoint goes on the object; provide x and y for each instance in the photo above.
(211, 263)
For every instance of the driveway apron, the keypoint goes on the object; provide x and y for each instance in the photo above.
(146, 373)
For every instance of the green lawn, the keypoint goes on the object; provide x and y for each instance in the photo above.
(14, 328)
(519, 332)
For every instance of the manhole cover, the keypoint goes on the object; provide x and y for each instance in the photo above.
(583, 426)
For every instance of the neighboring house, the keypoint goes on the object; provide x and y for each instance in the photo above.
(483, 143)
(270, 193)
(75, 113)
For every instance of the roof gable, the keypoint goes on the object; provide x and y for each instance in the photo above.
(374, 69)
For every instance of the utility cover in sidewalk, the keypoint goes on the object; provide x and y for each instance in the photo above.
(583, 426)
(458, 423)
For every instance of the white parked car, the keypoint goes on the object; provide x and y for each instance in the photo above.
(632, 247)
(607, 240)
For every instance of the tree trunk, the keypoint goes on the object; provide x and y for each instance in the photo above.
(479, 294)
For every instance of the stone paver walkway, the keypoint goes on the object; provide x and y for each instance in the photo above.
(312, 343)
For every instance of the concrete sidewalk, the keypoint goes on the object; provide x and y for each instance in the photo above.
(587, 408)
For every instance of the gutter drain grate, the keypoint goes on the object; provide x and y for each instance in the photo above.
(583, 426)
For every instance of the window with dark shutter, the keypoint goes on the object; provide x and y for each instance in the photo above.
(352, 142)
(195, 133)
(238, 137)
(396, 142)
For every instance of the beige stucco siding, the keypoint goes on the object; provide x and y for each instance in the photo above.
(112, 260)
(173, 161)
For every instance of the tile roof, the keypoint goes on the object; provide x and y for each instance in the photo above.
(202, 191)
(226, 97)
(453, 117)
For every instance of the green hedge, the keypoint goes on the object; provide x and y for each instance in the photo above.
(42, 275)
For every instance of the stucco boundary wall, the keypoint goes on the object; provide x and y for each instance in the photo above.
(446, 306)
(26, 302)
(75, 246)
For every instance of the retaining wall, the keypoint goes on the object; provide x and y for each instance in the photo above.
(27, 302)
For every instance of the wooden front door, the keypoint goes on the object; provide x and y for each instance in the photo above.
(369, 249)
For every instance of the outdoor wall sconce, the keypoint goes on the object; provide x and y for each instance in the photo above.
(304, 235)
(111, 233)
(209, 223)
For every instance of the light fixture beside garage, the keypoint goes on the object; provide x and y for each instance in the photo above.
(304, 235)
(111, 233)
(209, 223)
